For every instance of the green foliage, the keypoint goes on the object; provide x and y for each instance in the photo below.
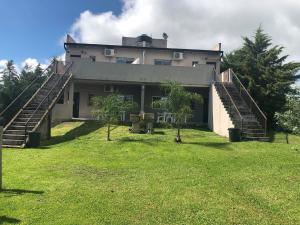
(262, 69)
(108, 109)
(289, 119)
(178, 102)
(78, 178)
(14, 83)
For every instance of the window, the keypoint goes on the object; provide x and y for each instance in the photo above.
(108, 88)
(93, 58)
(75, 56)
(193, 105)
(195, 63)
(61, 99)
(90, 96)
(124, 60)
(212, 63)
(155, 103)
(164, 62)
(127, 98)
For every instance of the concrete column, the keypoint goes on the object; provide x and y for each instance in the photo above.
(70, 101)
(1, 131)
(142, 99)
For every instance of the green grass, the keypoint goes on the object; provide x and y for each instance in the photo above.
(79, 178)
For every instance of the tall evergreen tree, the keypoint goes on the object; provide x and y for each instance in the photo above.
(262, 69)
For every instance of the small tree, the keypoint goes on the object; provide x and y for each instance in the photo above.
(178, 102)
(289, 120)
(109, 109)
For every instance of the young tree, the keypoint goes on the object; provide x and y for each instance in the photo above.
(108, 109)
(289, 120)
(262, 69)
(178, 102)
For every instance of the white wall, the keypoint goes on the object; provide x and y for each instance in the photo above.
(218, 118)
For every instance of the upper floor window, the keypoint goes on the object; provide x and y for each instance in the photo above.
(124, 60)
(75, 56)
(164, 62)
(212, 63)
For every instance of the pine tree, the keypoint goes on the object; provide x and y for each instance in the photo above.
(262, 69)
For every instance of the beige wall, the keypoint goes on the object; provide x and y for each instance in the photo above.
(63, 112)
(150, 55)
(218, 118)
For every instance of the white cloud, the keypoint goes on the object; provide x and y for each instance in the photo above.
(3, 63)
(32, 63)
(195, 23)
(2, 66)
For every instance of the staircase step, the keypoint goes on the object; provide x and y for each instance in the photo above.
(8, 142)
(18, 132)
(14, 136)
(17, 123)
(266, 139)
(34, 119)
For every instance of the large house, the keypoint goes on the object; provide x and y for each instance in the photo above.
(135, 70)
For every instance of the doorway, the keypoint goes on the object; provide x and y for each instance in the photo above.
(76, 99)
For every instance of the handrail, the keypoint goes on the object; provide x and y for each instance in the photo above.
(47, 97)
(29, 86)
(252, 100)
(232, 102)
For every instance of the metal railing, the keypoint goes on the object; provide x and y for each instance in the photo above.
(9, 112)
(233, 107)
(51, 95)
(244, 94)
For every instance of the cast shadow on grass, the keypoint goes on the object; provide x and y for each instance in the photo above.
(16, 192)
(225, 146)
(84, 129)
(6, 220)
(147, 141)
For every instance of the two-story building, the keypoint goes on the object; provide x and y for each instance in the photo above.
(135, 70)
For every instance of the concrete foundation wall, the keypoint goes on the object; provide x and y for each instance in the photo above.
(218, 118)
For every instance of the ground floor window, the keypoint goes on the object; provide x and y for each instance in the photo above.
(155, 102)
(61, 99)
(90, 96)
(108, 88)
(127, 98)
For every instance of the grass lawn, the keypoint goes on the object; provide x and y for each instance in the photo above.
(79, 178)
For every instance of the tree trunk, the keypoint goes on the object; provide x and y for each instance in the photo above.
(287, 137)
(178, 137)
(108, 132)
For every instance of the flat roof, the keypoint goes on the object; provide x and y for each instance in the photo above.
(138, 47)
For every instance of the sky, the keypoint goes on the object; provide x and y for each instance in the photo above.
(33, 31)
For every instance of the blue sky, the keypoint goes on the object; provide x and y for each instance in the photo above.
(34, 28)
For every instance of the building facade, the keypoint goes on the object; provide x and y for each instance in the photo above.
(135, 70)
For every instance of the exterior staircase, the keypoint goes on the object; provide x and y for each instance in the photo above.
(242, 109)
(33, 113)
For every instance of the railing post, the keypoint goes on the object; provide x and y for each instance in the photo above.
(1, 131)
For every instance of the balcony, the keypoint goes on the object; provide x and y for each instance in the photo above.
(202, 75)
